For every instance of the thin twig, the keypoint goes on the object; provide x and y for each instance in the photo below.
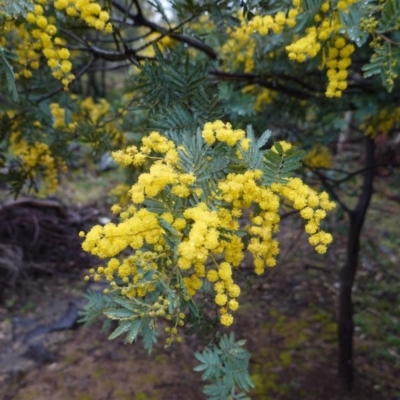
(331, 191)
(254, 79)
(139, 19)
(84, 69)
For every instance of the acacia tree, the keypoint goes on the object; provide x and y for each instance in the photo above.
(306, 69)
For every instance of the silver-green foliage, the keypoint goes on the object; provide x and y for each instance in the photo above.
(94, 308)
(177, 93)
(15, 8)
(127, 313)
(384, 62)
(386, 56)
(225, 365)
(7, 78)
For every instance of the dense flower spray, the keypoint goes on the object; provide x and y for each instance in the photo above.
(38, 35)
(184, 223)
(324, 38)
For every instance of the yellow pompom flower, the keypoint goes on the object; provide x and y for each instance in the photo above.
(60, 4)
(52, 63)
(66, 66)
(225, 271)
(226, 319)
(41, 22)
(31, 18)
(234, 290)
(233, 305)
(71, 11)
(221, 299)
(63, 53)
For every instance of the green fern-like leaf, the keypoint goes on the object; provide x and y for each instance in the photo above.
(350, 20)
(7, 72)
(119, 313)
(124, 326)
(390, 16)
(156, 206)
(217, 391)
(15, 8)
(94, 308)
(280, 165)
(384, 62)
(263, 139)
(306, 18)
(225, 364)
(149, 335)
(133, 330)
(178, 93)
(211, 363)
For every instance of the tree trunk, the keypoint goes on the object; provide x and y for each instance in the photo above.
(347, 274)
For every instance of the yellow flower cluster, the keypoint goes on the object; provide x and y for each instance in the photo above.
(243, 190)
(327, 29)
(343, 5)
(100, 115)
(28, 58)
(59, 122)
(382, 123)
(34, 157)
(226, 291)
(221, 132)
(161, 175)
(88, 10)
(183, 237)
(266, 96)
(37, 36)
(318, 157)
(154, 142)
(307, 46)
(312, 207)
(37, 158)
(276, 24)
(135, 230)
(58, 114)
(57, 56)
(242, 45)
(337, 62)
(146, 49)
(262, 96)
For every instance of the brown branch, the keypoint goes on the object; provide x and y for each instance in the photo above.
(387, 39)
(113, 68)
(140, 20)
(254, 79)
